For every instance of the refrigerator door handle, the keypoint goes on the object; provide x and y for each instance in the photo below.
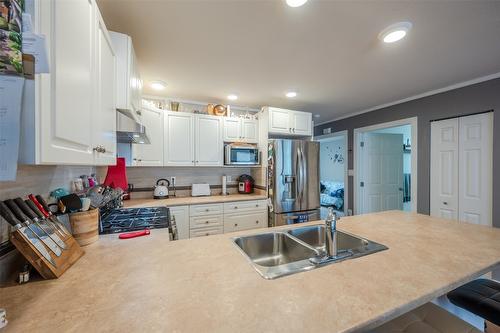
(301, 172)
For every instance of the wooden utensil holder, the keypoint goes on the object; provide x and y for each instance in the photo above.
(85, 226)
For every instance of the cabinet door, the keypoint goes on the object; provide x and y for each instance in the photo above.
(209, 145)
(232, 129)
(150, 154)
(245, 221)
(279, 121)
(179, 139)
(475, 160)
(301, 123)
(104, 121)
(181, 214)
(250, 130)
(444, 168)
(66, 93)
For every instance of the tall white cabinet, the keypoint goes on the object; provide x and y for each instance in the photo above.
(68, 114)
(461, 168)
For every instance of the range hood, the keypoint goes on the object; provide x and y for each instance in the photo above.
(128, 129)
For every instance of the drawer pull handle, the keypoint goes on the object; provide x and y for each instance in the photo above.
(207, 210)
(235, 207)
(257, 205)
(257, 222)
(236, 224)
(207, 234)
(206, 222)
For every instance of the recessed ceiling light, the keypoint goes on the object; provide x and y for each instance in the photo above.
(317, 116)
(291, 94)
(295, 3)
(395, 32)
(232, 97)
(158, 85)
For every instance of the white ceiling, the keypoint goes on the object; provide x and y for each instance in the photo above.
(327, 51)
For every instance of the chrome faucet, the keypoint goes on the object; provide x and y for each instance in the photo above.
(331, 241)
(332, 252)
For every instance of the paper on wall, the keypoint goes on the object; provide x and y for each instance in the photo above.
(11, 91)
(34, 44)
(27, 23)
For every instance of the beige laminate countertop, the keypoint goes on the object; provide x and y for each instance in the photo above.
(181, 201)
(206, 285)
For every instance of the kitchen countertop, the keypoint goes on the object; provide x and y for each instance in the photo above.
(181, 201)
(206, 285)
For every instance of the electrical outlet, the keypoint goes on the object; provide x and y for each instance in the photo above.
(172, 181)
(229, 179)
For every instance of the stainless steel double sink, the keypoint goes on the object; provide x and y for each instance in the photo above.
(285, 252)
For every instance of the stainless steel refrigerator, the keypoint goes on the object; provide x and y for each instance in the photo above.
(293, 178)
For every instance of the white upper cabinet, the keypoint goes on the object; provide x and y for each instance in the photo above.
(129, 83)
(179, 139)
(301, 123)
(150, 154)
(241, 130)
(192, 140)
(209, 145)
(104, 122)
(68, 114)
(288, 122)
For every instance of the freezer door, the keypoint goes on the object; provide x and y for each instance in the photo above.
(293, 218)
(309, 175)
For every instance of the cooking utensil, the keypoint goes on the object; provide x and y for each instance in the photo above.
(35, 209)
(219, 110)
(161, 190)
(39, 232)
(133, 234)
(48, 229)
(44, 208)
(26, 233)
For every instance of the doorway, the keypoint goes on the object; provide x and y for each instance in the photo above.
(385, 173)
(333, 173)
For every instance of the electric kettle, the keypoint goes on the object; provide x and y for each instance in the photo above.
(161, 190)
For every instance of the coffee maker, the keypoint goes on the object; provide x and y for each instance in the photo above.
(245, 184)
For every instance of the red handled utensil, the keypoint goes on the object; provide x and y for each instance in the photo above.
(133, 234)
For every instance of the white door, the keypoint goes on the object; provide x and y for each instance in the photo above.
(104, 121)
(301, 123)
(382, 172)
(279, 121)
(150, 154)
(66, 94)
(181, 214)
(232, 129)
(250, 130)
(179, 139)
(475, 160)
(209, 144)
(444, 168)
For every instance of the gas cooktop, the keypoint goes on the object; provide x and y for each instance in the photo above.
(131, 219)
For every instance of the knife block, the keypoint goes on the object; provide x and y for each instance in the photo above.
(68, 257)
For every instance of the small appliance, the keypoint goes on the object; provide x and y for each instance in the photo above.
(245, 184)
(161, 190)
(198, 190)
(241, 154)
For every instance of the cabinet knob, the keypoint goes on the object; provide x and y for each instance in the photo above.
(257, 205)
(257, 222)
(236, 224)
(207, 210)
(207, 234)
(445, 203)
(235, 207)
(206, 222)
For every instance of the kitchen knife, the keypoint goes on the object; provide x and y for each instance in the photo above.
(41, 217)
(44, 208)
(42, 235)
(48, 229)
(26, 233)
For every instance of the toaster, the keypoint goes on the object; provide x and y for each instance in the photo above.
(198, 190)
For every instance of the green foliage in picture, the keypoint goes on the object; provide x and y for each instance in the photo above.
(11, 57)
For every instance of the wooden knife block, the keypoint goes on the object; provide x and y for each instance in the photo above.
(68, 257)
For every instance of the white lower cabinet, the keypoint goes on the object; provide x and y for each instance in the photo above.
(181, 215)
(245, 221)
(211, 219)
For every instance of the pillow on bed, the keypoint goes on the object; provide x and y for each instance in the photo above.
(329, 201)
(331, 187)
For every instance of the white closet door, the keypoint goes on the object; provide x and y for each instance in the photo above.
(444, 168)
(382, 172)
(475, 171)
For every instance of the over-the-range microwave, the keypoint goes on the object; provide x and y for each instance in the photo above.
(241, 154)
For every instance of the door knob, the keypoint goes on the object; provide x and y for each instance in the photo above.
(445, 203)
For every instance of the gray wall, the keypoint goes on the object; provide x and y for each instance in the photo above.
(459, 102)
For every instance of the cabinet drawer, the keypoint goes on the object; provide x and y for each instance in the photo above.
(255, 205)
(245, 221)
(205, 221)
(205, 232)
(211, 209)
